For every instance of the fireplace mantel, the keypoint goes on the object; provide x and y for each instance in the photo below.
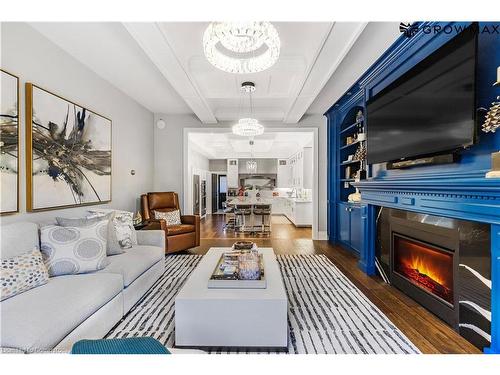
(475, 199)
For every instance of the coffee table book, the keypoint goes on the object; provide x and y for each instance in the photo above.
(218, 280)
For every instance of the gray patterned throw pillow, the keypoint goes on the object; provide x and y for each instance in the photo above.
(74, 250)
(123, 225)
(113, 246)
(21, 273)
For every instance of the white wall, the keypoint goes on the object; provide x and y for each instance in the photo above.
(32, 57)
(169, 153)
(197, 164)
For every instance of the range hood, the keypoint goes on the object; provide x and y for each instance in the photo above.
(260, 181)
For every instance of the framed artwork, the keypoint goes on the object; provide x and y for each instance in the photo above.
(9, 142)
(68, 153)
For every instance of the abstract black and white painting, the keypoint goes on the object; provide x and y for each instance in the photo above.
(9, 142)
(70, 151)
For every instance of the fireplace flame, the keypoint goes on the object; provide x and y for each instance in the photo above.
(424, 267)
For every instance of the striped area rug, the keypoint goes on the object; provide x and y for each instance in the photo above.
(327, 313)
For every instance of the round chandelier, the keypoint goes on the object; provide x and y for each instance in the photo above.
(241, 47)
(248, 127)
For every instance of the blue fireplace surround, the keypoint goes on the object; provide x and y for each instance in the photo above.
(457, 190)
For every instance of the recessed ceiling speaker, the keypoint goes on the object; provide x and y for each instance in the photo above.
(160, 124)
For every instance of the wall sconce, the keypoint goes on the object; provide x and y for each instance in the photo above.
(132, 172)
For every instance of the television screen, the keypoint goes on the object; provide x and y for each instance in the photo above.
(428, 110)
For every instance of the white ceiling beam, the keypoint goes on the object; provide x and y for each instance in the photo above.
(336, 46)
(154, 43)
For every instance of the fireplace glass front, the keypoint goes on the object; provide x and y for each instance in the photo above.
(424, 265)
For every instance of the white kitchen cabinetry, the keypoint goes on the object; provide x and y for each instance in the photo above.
(299, 212)
(232, 173)
(284, 174)
(301, 169)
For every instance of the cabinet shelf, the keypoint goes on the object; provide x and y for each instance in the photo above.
(349, 128)
(349, 145)
(350, 162)
(347, 179)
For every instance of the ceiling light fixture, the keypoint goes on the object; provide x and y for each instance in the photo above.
(247, 126)
(241, 47)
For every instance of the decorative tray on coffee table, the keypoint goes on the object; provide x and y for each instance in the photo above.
(231, 280)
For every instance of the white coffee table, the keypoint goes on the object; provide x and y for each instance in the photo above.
(231, 317)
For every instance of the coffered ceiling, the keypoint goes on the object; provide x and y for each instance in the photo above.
(163, 67)
(279, 145)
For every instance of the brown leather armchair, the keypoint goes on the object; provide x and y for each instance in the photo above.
(177, 237)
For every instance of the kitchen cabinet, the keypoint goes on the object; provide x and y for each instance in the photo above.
(298, 211)
(284, 174)
(301, 165)
(350, 226)
(232, 173)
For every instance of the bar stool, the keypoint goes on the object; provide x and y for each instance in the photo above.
(264, 211)
(241, 211)
(229, 217)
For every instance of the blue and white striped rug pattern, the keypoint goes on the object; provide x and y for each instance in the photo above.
(327, 313)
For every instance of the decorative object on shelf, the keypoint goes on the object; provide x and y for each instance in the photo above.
(9, 142)
(68, 149)
(491, 124)
(354, 197)
(495, 166)
(248, 127)
(492, 119)
(360, 153)
(241, 47)
(359, 117)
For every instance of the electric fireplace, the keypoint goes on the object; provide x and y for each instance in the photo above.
(424, 265)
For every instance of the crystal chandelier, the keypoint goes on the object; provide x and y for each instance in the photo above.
(250, 47)
(252, 163)
(248, 127)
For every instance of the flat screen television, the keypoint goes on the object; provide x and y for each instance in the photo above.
(428, 110)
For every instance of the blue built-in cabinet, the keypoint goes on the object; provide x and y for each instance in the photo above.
(457, 190)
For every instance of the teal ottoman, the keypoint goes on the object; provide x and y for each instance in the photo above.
(132, 345)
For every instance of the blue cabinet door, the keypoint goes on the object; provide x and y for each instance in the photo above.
(344, 223)
(356, 235)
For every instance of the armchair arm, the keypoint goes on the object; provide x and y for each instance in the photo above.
(151, 238)
(155, 224)
(193, 220)
(190, 219)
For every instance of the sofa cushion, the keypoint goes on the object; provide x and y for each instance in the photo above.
(37, 320)
(172, 230)
(134, 262)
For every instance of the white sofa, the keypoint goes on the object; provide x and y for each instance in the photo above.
(70, 308)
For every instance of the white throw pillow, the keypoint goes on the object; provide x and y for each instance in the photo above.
(171, 217)
(21, 273)
(74, 250)
(123, 226)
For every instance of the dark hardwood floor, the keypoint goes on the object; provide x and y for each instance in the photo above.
(425, 330)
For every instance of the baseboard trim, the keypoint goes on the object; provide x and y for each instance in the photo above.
(321, 235)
